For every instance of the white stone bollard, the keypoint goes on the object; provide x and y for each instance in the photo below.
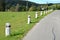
(44, 12)
(51, 10)
(41, 13)
(29, 19)
(48, 11)
(7, 29)
(36, 15)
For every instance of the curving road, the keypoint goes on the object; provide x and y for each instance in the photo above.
(47, 29)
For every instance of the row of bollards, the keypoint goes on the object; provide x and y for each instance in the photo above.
(7, 29)
(36, 15)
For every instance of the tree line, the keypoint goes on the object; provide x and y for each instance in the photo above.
(25, 6)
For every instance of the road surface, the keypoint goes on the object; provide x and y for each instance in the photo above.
(47, 29)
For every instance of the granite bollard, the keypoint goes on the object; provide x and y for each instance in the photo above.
(41, 13)
(36, 15)
(7, 29)
(29, 19)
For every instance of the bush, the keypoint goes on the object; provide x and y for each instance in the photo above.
(32, 8)
(17, 7)
(58, 6)
(12, 8)
(38, 8)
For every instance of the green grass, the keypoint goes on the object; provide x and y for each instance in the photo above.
(18, 21)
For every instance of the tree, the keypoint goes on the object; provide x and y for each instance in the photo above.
(17, 7)
(32, 8)
(38, 8)
(58, 6)
(12, 8)
(2, 5)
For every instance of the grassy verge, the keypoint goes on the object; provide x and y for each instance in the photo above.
(19, 26)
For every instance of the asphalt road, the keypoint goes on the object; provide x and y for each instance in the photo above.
(47, 29)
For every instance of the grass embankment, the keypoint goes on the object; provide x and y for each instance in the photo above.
(18, 21)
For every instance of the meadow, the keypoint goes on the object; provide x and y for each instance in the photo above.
(18, 21)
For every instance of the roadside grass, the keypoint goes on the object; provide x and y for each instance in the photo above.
(18, 21)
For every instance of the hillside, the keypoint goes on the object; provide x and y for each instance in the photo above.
(10, 3)
(22, 3)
